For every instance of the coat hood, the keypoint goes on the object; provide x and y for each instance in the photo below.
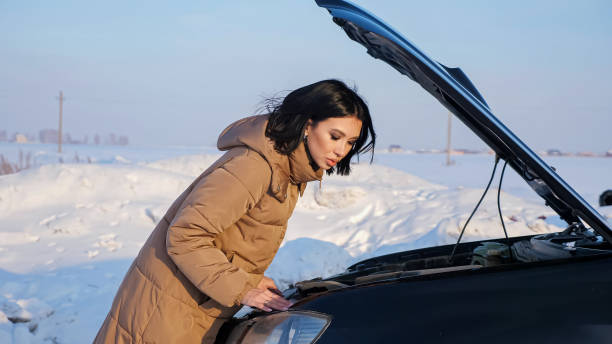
(294, 168)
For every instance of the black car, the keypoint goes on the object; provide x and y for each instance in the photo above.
(550, 288)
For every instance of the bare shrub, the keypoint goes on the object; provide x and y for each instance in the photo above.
(6, 167)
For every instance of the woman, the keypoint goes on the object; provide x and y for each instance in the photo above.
(207, 256)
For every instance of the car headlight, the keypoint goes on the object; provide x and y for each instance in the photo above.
(292, 327)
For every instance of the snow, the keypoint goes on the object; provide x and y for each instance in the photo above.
(69, 231)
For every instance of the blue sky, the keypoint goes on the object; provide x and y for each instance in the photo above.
(178, 73)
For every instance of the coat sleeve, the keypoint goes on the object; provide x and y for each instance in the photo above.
(215, 203)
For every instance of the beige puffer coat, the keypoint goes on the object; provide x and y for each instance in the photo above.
(213, 244)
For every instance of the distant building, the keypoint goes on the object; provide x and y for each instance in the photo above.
(554, 152)
(123, 140)
(3, 137)
(587, 154)
(20, 138)
(609, 153)
(111, 139)
(395, 149)
(47, 136)
(68, 139)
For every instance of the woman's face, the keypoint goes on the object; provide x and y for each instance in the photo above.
(330, 140)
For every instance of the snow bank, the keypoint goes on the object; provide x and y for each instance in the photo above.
(378, 210)
(68, 232)
(306, 258)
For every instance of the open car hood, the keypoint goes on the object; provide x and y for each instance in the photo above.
(452, 88)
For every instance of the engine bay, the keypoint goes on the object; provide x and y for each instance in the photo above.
(573, 242)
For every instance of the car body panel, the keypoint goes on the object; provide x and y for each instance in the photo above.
(548, 302)
(557, 301)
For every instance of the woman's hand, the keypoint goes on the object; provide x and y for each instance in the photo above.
(266, 297)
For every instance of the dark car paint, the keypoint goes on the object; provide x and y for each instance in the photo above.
(561, 301)
(555, 301)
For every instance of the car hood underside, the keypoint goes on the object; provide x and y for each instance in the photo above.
(453, 89)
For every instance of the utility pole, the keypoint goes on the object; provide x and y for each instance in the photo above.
(59, 137)
(448, 140)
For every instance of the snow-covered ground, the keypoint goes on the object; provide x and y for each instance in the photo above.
(68, 231)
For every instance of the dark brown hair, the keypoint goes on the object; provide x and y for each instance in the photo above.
(317, 102)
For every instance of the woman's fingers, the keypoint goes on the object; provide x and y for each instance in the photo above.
(275, 301)
(266, 300)
(278, 304)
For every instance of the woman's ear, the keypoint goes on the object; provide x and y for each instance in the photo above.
(308, 127)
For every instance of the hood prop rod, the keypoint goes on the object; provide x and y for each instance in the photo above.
(450, 258)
